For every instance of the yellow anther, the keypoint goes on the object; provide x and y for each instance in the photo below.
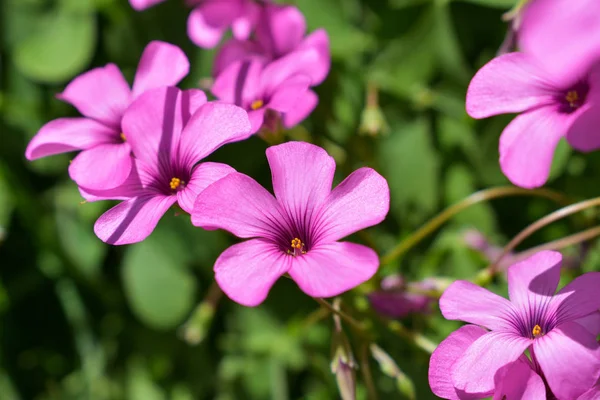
(537, 331)
(123, 138)
(572, 97)
(256, 104)
(297, 244)
(175, 183)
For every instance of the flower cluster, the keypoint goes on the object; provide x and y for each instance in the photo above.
(553, 82)
(269, 65)
(145, 146)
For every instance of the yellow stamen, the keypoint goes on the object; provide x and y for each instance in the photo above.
(123, 138)
(297, 243)
(175, 183)
(572, 97)
(256, 104)
(537, 331)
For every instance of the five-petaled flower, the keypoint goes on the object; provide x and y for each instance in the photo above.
(169, 131)
(102, 95)
(558, 331)
(297, 231)
(554, 82)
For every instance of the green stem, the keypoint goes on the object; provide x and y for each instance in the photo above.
(537, 225)
(419, 340)
(365, 369)
(357, 326)
(448, 213)
(487, 274)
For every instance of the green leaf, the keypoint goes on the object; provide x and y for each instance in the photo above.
(75, 226)
(406, 64)
(140, 384)
(159, 289)
(60, 47)
(346, 40)
(411, 166)
(460, 184)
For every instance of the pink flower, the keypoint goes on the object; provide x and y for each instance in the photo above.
(551, 108)
(210, 19)
(559, 331)
(297, 231)
(516, 380)
(102, 95)
(169, 132)
(258, 87)
(553, 83)
(280, 31)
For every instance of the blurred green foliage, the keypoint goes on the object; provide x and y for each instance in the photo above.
(83, 320)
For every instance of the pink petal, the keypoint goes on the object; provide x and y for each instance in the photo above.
(360, 201)
(520, 382)
(162, 64)
(133, 220)
(238, 204)
(527, 145)
(102, 94)
(286, 96)
(565, 349)
(134, 186)
(239, 83)
(591, 322)
(302, 176)
(68, 134)
(475, 370)
(243, 25)
(257, 118)
(509, 83)
(534, 280)
(203, 175)
(154, 121)
(281, 29)
(465, 301)
(208, 22)
(302, 109)
(318, 70)
(140, 5)
(246, 271)
(235, 50)
(592, 394)
(212, 126)
(564, 35)
(579, 298)
(445, 356)
(293, 64)
(103, 167)
(328, 270)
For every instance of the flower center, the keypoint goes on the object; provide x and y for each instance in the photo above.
(297, 248)
(256, 104)
(123, 138)
(175, 183)
(537, 331)
(572, 98)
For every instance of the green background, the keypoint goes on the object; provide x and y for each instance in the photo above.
(83, 320)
